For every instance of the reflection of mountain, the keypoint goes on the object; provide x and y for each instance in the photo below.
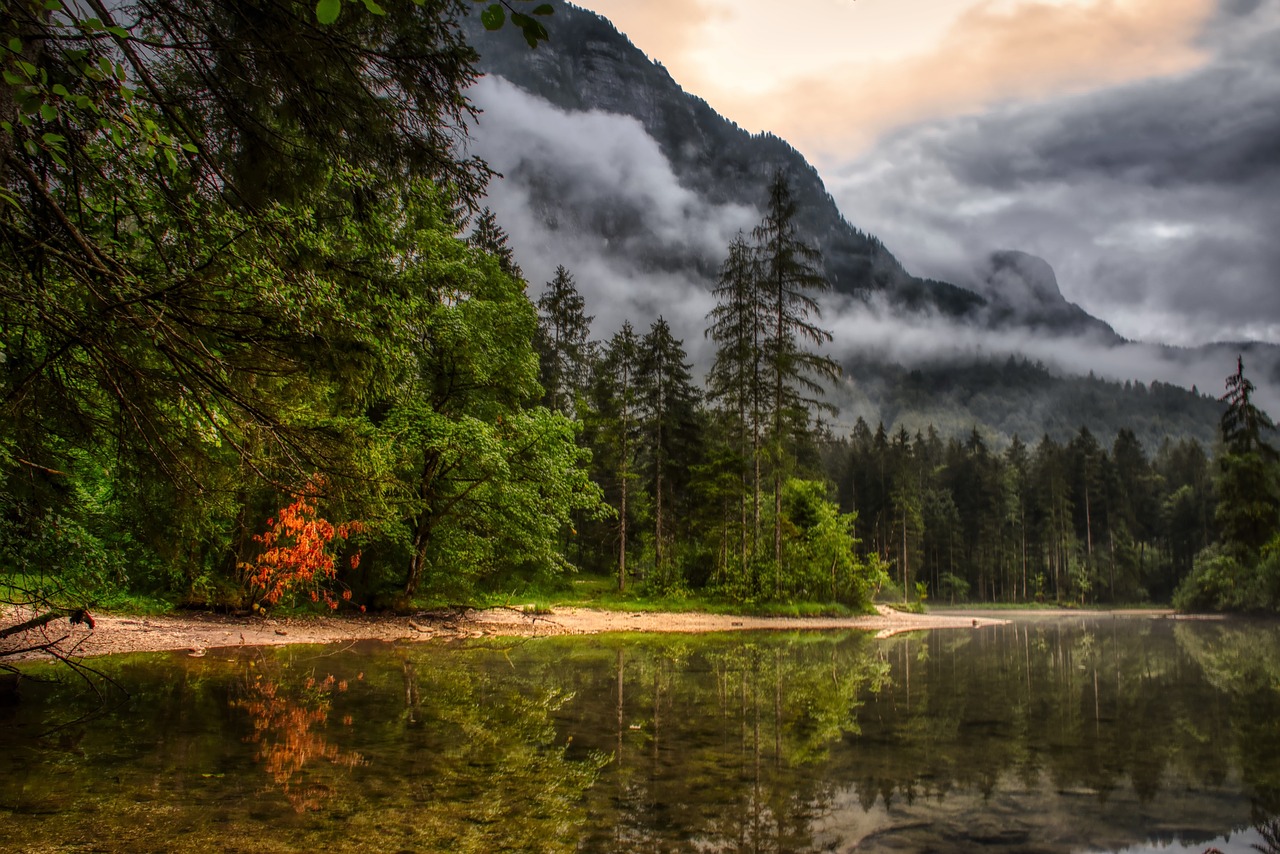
(638, 187)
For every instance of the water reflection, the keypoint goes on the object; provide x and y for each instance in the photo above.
(1068, 735)
(288, 717)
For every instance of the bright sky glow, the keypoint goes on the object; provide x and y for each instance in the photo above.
(831, 76)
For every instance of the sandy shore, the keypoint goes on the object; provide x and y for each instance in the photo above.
(198, 632)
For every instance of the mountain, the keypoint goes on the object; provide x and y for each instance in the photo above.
(1022, 289)
(589, 66)
(609, 167)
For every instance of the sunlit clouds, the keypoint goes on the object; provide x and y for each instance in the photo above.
(832, 76)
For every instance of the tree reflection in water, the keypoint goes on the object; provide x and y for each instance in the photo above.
(1049, 734)
(289, 717)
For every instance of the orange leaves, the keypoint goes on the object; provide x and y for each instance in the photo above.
(298, 553)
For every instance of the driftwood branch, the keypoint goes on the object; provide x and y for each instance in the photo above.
(76, 616)
(34, 623)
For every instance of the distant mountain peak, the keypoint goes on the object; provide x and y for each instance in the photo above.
(1022, 289)
(1020, 278)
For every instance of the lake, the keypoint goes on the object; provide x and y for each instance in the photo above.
(1053, 734)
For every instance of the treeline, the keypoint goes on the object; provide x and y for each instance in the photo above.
(737, 487)
(952, 519)
(948, 519)
(1081, 521)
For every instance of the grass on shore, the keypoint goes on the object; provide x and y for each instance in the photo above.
(584, 591)
(602, 593)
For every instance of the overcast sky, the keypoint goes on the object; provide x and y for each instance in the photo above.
(1133, 144)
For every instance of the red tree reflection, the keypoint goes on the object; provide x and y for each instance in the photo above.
(288, 724)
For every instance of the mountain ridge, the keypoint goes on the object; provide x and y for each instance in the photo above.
(604, 71)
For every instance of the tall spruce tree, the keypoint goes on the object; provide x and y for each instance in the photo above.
(1249, 475)
(614, 423)
(736, 379)
(668, 401)
(564, 331)
(489, 237)
(791, 276)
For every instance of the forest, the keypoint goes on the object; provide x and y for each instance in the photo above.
(249, 356)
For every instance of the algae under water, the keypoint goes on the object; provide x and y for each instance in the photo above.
(1064, 734)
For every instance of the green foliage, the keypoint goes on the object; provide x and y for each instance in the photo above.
(821, 551)
(564, 331)
(494, 17)
(1216, 583)
(952, 587)
(205, 306)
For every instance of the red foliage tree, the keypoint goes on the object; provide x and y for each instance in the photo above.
(298, 554)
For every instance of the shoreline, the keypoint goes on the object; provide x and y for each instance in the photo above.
(198, 632)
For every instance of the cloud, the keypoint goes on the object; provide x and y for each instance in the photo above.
(1157, 203)
(862, 330)
(593, 192)
(992, 53)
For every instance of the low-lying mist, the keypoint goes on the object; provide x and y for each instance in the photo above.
(594, 192)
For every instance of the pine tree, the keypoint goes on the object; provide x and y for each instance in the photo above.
(668, 402)
(614, 421)
(490, 237)
(1242, 422)
(1248, 482)
(735, 381)
(1018, 488)
(790, 277)
(907, 499)
(564, 331)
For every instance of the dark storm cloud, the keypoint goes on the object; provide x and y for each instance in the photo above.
(1157, 203)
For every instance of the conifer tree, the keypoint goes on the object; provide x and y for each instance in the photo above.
(1248, 482)
(489, 237)
(790, 278)
(614, 422)
(668, 401)
(564, 330)
(736, 381)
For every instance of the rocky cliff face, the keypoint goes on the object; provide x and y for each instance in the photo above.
(1021, 289)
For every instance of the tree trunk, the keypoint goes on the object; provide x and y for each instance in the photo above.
(622, 546)
(422, 530)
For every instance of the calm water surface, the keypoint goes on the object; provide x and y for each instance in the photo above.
(1056, 735)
